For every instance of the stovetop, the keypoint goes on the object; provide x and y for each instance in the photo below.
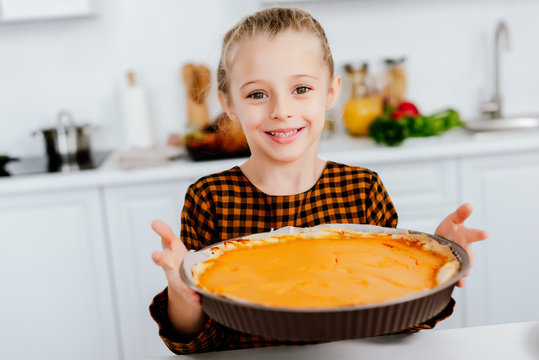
(41, 165)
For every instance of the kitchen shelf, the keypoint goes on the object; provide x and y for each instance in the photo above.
(32, 10)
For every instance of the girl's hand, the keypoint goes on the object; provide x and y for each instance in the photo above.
(452, 228)
(171, 259)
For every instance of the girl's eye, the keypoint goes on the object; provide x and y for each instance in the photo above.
(257, 95)
(301, 90)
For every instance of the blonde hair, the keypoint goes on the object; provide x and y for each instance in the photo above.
(269, 22)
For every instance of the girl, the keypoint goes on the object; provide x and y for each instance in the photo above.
(276, 78)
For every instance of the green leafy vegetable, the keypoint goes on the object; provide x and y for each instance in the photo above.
(392, 132)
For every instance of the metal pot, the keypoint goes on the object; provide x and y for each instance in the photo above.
(4, 159)
(67, 142)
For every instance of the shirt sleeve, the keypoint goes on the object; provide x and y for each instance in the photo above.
(379, 208)
(209, 339)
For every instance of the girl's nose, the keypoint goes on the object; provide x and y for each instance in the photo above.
(281, 108)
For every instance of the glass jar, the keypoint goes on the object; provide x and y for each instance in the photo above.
(364, 104)
(394, 82)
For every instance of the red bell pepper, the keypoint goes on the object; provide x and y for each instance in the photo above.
(405, 109)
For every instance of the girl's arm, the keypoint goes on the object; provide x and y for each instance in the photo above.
(184, 308)
(183, 326)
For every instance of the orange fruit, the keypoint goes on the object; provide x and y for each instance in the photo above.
(360, 113)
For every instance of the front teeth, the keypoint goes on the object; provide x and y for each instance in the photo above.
(284, 134)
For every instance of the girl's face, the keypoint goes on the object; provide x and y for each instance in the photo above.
(279, 89)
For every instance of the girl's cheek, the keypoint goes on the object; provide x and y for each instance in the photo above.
(252, 116)
(316, 107)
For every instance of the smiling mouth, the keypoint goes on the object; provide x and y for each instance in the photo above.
(285, 134)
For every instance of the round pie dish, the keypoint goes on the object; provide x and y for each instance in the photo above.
(327, 323)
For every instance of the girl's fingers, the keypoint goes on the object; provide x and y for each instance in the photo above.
(162, 260)
(157, 257)
(449, 226)
(166, 233)
(467, 236)
(170, 259)
(169, 240)
(473, 235)
(173, 275)
(462, 213)
(452, 227)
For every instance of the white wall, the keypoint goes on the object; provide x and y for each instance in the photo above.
(80, 64)
(448, 44)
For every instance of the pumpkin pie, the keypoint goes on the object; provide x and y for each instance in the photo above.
(325, 268)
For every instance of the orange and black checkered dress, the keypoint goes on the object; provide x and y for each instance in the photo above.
(227, 205)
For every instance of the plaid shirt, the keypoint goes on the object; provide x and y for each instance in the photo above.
(226, 205)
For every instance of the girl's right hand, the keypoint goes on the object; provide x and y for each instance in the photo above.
(170, 259)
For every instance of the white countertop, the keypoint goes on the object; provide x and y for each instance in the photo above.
(514, 341)
(340, 148)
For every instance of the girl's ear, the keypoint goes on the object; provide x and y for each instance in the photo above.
(227, 105)
(333, 92)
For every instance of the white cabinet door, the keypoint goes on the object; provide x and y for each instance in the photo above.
(504, 284)
(54, 275)
(130, 211)
(24, 10)
(416, 187)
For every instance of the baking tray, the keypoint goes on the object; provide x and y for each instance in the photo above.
(327, 324)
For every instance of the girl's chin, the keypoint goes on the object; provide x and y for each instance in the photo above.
(291, 153)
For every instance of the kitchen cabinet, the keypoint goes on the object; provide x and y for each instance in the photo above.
(25, 10)
(54, 269)
(423, 192)
(129, 212)
(504, 285)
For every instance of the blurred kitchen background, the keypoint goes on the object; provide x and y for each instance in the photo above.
(80, 63)
(75, 268)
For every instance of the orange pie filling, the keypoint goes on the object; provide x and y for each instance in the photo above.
(329, 269)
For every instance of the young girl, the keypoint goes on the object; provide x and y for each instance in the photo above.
(276, 77)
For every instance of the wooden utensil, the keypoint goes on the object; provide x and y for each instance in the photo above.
(197, 80)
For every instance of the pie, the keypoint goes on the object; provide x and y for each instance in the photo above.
(325, 268)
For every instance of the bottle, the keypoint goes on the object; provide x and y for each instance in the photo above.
(394, 82)
(364, 104)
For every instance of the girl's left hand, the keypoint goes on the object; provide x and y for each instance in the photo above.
(452, 228)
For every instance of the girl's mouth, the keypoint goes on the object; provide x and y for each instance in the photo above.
(285, 136)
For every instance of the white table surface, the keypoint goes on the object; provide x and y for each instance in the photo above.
(513, 341)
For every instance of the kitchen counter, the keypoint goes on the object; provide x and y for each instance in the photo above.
(505, 341)
(340, 148)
